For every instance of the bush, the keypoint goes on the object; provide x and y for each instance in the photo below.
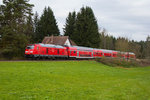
(13, 45)
(118, 62)
(7, 53)
(144, 62)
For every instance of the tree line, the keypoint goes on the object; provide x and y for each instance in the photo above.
(19, 26)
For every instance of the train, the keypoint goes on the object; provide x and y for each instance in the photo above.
(41, 50)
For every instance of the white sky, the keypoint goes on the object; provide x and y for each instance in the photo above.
(127, 18)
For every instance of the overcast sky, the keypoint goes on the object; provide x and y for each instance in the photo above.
(127, 18)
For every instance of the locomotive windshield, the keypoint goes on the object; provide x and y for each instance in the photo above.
(30, 47)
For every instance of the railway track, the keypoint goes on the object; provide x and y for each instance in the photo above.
(32, 60)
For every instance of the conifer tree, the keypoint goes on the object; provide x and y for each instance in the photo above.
(47, 25)
(35, 26)
(29, 31)
(70, 25)
(14, 15)
(86, 33)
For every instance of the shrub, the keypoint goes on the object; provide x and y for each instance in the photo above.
(7, 53)
(118, 62)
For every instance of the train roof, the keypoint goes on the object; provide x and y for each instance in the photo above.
(127, 52)
(82, 48)
(106, 51)
(131, 53)
(51, 45)
(96, 49)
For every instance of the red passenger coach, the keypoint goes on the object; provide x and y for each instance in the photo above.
(107, 53)
(114, 54)
(131, 55)
(72, 52)
(84, 52)
(97, 53)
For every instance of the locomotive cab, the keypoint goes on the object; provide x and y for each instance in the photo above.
(29, 51)
(30, 47)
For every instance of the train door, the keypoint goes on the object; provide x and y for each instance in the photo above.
(38, 50)
(67, 51)
(58, 52)
(77, 53)
(46, 50)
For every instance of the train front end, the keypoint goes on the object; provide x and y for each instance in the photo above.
(29, 51)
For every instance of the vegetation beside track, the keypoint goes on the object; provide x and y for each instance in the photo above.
(72, 80)
(123, 62)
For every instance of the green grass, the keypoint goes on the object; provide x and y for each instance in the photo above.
(72, 80)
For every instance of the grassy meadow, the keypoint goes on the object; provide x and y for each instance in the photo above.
(72, 80)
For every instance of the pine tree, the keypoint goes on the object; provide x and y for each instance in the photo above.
(14, 15)
(29, 28)
(35, 26)
(86, 33)
(36, 20)
(47, 25)
(70, 26)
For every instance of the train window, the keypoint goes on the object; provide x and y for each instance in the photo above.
(30, 47)
(37, 48)
(74, 51)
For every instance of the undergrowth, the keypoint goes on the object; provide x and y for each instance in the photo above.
(118, 62)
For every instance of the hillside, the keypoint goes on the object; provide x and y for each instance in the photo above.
(72, 80)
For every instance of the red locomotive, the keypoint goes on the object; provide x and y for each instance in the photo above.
(54, 51)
